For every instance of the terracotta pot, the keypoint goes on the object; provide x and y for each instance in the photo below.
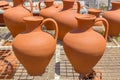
(113, 18)
(66, 18)
(36, 54)
(95, 12)
(48, 11)
(13, 17)
(83, 46)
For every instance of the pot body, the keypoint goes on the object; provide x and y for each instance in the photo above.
(36, 54)
(81, 51)
(66, 22)
(13, 17)
(113, 17)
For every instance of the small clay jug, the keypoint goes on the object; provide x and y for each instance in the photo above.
(83, 46)
(96, 12)
(113, 18)
(66, 18)
(47, 12)
(34, 48)
(13, 17)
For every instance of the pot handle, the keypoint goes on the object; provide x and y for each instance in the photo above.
(39, 5)
(106, 25)
(78, 7)
(55, 26)
(31, 6)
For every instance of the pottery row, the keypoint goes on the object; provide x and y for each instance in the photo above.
(32, 46)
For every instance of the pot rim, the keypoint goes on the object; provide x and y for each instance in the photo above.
(33, 18)
(115, 2)
(94, 10)
(86, 17)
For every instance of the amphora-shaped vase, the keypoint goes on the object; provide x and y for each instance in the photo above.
(13, 17)
(66, 18)
(34, 48)
(48, 11)
(83, 46)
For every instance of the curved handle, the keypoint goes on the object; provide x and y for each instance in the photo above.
(31, 6)
(106, 25)
(39, 5)
(55, 23)
(78, 7)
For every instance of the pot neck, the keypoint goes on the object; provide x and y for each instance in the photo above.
(95, 12)
(33, 23)
(85, 22)
(33, 26)
(18, 2)
(49, 4)
(115, 5)
(84, 27)
(67, 4)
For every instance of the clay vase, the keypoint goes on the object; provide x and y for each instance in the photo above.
(34, 48)
(48, 11)
(95, 12)
(13, 17)
(66, 18)
(83, 46)
(113, 18)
